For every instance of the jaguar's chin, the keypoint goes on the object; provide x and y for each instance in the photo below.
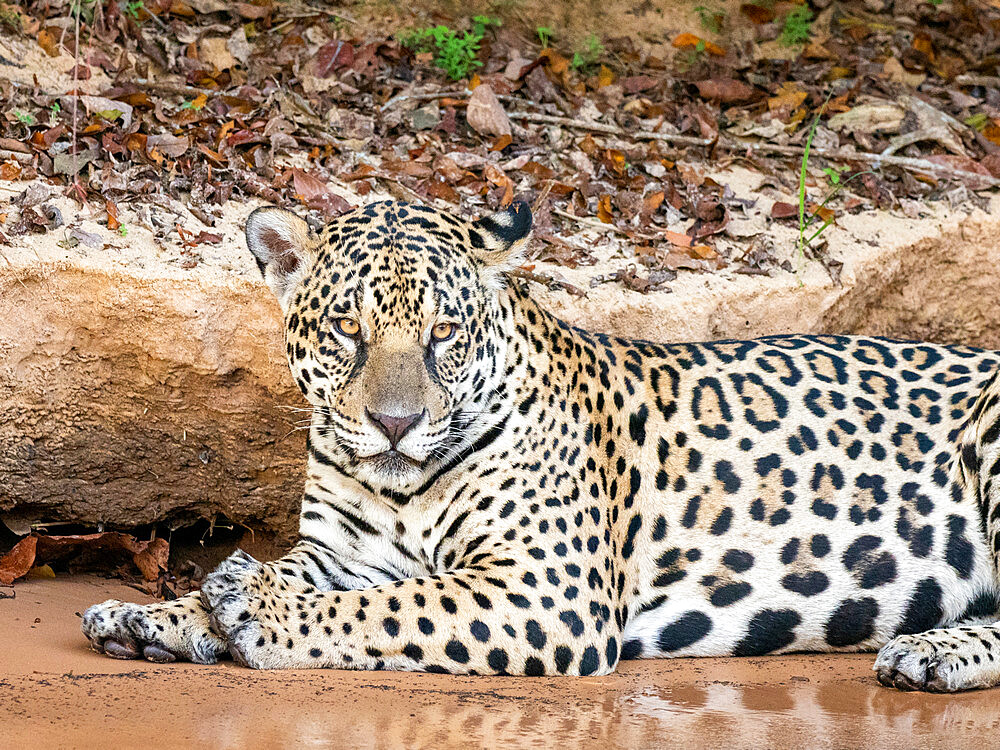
(392, 469)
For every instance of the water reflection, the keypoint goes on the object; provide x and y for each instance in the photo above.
(807, 702)
(630, 710)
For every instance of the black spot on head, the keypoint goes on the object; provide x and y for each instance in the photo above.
(480, 631)
(729, 593)
(535, 635)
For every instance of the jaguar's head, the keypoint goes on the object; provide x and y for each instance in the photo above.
(394, 328)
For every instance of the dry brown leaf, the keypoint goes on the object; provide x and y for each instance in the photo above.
(652, 201)
(112, 209)
(10, 171)
(501, 143)
(496, 176)
(789, 97)
(47, 41)
(676, 238)
(758, 14)
(150, 557)
(782, 210)
(604, 209)
(690, 41)
(316, 194)
(485, 114)
(605, 77)
(726, 90)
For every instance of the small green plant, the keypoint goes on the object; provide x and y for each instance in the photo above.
(977, 121)
(837, 181)
(590, 54)
(123, 230)
(133, 7)
(544, 35)
(454, 53)
(10, 17)
(689, 58)
(833, 174)
(797, 27)
(711, 18)
(935, 3)
(25, 118)
(55, 109)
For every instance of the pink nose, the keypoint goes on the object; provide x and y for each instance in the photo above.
(393, 427)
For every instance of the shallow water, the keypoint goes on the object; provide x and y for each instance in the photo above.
(54, 692)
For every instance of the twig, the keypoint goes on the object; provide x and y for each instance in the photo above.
(548, 281)
(174, 88)
(420, 98)
(597, 127)
(596, 224)
(968, 79)
(906, 162)
(876, 160)
(76, 88)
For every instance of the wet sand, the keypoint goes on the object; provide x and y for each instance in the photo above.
(56, 693)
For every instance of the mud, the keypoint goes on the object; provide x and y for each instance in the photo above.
(55, 693)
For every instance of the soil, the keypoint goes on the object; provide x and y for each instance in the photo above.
(56, 693)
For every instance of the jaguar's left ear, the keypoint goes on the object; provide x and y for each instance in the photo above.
(501, 239)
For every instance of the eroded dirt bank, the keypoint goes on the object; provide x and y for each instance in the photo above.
(55, 693)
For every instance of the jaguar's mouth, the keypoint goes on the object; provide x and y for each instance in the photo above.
(392, 462)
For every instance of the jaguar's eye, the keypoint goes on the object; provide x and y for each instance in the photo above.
(347, 326)
(443, 331)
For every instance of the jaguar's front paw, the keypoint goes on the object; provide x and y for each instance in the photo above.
(232, 594)
(159, 632)
(945, 660)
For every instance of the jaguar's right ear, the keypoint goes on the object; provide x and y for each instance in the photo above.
(283, 246)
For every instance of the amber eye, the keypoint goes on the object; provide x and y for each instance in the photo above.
(443, 331)
(347, 326)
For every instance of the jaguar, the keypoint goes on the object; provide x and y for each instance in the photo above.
(491, 490)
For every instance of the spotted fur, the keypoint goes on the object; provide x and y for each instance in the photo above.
(526, 497)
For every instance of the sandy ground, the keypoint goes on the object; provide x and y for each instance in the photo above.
(55, 693)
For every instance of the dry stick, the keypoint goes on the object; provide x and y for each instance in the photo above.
(877, 160)
(420, 98)
(642, 135)
(547, 281)
(76, 89)
(595, 223)
(974, 80)
(906, 162)
(175, 88)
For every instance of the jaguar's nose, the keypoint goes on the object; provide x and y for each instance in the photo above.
(394, 427)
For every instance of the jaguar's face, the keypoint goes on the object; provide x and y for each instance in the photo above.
(392, 328)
